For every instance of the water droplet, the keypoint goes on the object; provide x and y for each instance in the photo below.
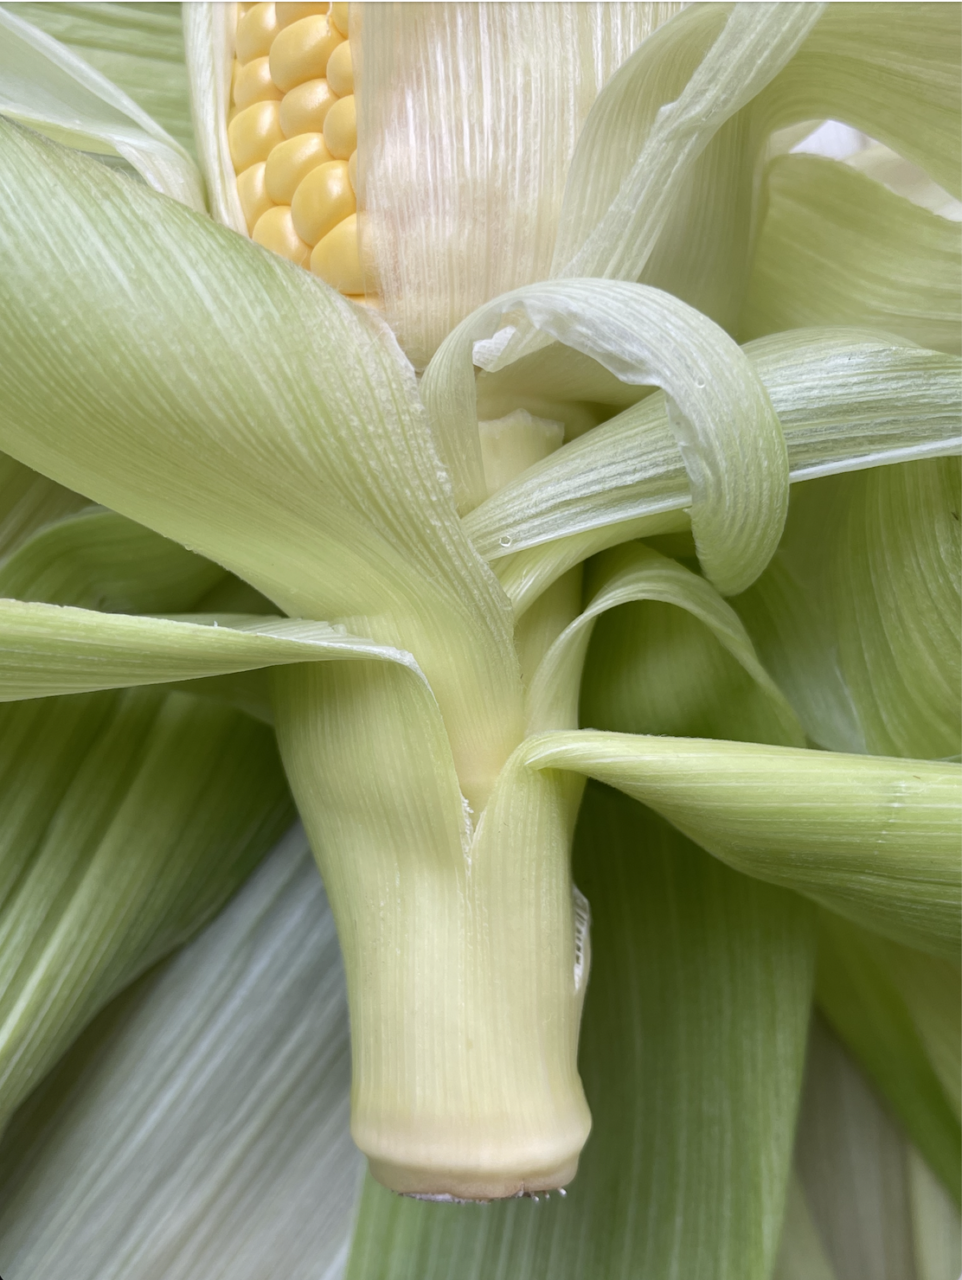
(504, 540)
(562, 1192)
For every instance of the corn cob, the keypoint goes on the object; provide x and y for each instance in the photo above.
(293, 136)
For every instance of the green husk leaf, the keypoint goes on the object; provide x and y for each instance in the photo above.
(99, 560)
(211, 1103)
(718, 410)
(930, 989)
(656, 668)
(47, 86)
(890, 71)
(209, 50)
(801, 1255)
(872, 838)
(876, 1211)
(117, 846)
(293, 391)
(936, 1227)
(526, 575)
(845, 401)
(639, 148)
(637, 573)
(666, 184)
(691, 1054)
(139, 47)
(868, 1013)
(858, 616)
(838, 248)
(541, 626)
(905, 179)
(28, 501)
(54, 649)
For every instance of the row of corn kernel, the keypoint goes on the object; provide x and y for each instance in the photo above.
(293, 136)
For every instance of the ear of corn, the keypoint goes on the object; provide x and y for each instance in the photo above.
(393, 504)
(293, 136)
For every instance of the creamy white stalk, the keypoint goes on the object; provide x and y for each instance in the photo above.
(464, 969)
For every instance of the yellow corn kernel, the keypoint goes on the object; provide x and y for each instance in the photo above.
(340, 128)
(288, 13)
(339, 16)
(290, 163)
(275, 231)
(336, 258)
(252, 190)
(253, 83)
(340, 70)
(255, 33)
(300, 52)
(322, 200)
(305, 108)
(293, 136)
(253, 133)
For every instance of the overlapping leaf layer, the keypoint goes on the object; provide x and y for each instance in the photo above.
(733, 594)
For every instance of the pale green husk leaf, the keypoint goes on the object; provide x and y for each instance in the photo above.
(211, 1101)
(663, 152)
(838, 248)
(128, 821)
(845, 402)
(858, 616)
(868, 1012)
(50, 649)
(636, 156)
(873, 838)
(877, 1208)
(636, 573)
(99, 560)
(495, 130)
(801, 1254)
(28, 501)
(718, 410)
(47, 86)
(292, 392)
(906, 179)
(655, 668)
(139, 47)
(209, 45)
